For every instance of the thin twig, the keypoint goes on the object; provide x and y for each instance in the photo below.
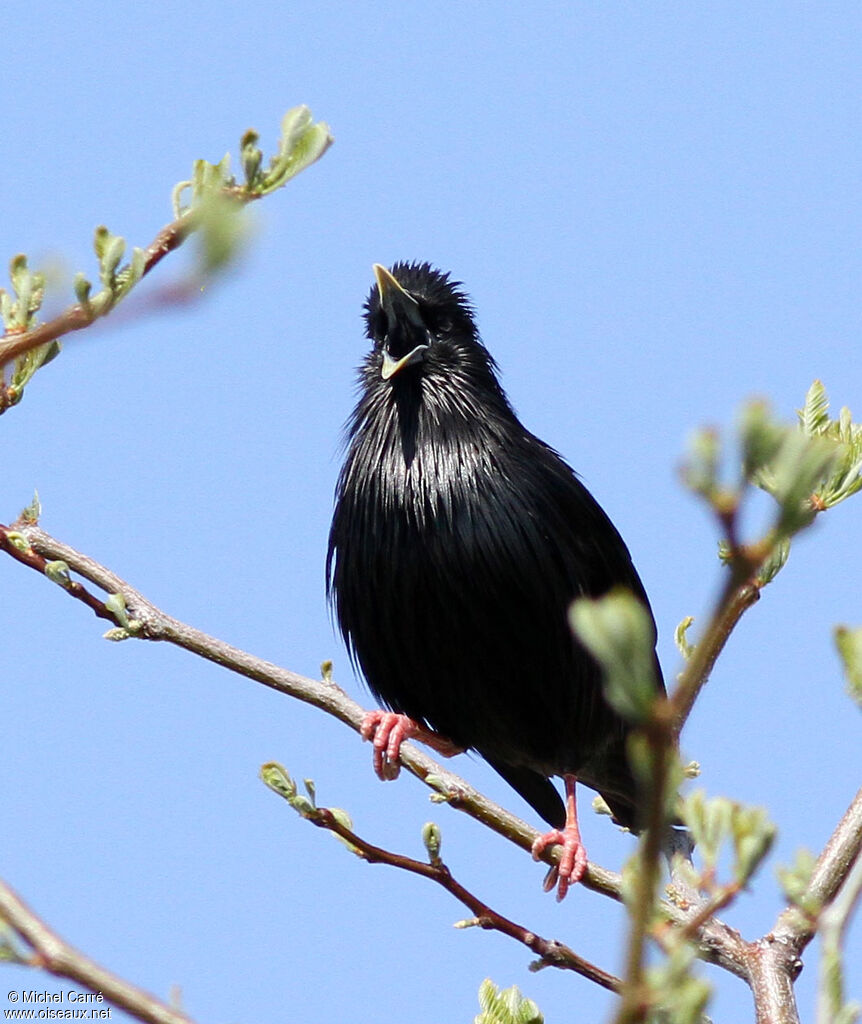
(79, 316)
(661, 733)
(736, 598)
(839, 912)
(709, 909)
(53, 954)
(633, 1007)
(551, 953)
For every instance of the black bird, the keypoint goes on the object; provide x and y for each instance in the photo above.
(458, 543)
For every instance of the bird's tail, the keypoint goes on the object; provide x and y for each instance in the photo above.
(538, 790)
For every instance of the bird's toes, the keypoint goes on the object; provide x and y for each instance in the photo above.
(384, 769)
(552, 838)
(370, 722)
(573, 862)
(387, 731)
(573, 859)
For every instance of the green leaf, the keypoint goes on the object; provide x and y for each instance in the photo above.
(58, 572)
(506, 1006)
(618, 631)
(716, 821)
(849, 644)
(221, 229)
(795, 881)
(116, 605)
(433, 840)
(700, 470)
(677, 994)
(761, 439)
(276, 777)
(753, 836)
(19, 314)
(342, 817)
(131, 273)
(814, 415)
(251, 157)
(799, 468)
(680, 637)
(82, 288)
(27, 364)
(300, 145)
(844, 479)
(17, 540)
(33, 511)
(774, 561)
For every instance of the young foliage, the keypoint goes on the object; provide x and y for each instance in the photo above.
(807, 468)
(618, 631)
(206, 205)
(505, 1006)
(849, 644)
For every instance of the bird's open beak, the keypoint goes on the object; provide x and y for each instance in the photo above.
(402, 310)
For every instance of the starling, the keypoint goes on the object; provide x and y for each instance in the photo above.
(458, 543)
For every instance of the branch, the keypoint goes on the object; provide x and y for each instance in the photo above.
(660, 744)
(807, 469)
(79, 316)
(776, 958)
(139, 618)
(551, 952)
(145, 621)
(215, 197)
(618, 632)
(53, 954)
(833, 867)
(735, 600)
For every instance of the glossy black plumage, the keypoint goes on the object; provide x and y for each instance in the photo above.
(458, 542)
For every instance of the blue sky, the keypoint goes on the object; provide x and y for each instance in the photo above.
(656, 210)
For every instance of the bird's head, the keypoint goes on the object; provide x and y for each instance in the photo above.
(416, 314)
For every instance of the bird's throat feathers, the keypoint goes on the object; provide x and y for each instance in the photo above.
(424, 441)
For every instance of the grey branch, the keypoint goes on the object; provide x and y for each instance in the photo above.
(719, 943)
(53, 954)
(768, 965)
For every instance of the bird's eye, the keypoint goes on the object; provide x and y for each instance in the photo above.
(437, 320)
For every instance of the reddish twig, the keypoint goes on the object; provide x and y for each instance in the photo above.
(33, 560)
(79, 316)
(550, 952)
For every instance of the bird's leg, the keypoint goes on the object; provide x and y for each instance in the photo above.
(389, 730)
(573, 860)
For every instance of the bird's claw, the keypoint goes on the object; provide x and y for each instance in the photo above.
(573, 859)
(387, 731)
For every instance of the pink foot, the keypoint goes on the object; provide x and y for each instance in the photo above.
(388, 731)
(573, 859)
